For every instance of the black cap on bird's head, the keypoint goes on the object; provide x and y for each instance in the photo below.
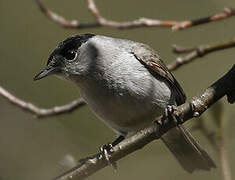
(66, 50)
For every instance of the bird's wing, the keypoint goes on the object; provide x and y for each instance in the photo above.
(152, 61)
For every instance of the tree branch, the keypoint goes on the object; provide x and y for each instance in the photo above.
(38, 112)
(141, 22)
(197, 52)
(194, 108)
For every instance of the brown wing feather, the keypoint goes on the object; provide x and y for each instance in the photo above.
(152, 61)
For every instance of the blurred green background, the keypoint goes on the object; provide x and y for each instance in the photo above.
(35, 149)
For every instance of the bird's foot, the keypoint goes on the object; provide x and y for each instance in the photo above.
(169, 116)
(106, 151)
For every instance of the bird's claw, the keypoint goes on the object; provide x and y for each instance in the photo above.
(169, 115)
(106, 151)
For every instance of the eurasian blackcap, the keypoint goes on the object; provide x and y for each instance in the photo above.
(127, 85)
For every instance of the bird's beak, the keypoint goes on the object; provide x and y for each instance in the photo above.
(48, 70)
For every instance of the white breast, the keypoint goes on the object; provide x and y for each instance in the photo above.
(122, 92)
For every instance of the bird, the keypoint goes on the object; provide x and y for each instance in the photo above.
(126, 85)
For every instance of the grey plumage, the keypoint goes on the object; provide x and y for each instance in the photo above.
(126, 85)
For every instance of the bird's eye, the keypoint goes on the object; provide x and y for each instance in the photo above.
(71, 55)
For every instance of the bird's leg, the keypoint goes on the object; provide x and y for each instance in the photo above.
(118, 140)
(107, 149)
(169, 116)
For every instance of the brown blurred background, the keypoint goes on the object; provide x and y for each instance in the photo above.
(34, 149)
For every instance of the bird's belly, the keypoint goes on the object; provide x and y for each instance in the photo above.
(125, 115)
(126, 110)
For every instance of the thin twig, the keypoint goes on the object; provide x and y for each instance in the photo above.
(228, 12)
(38, 112)
(198, 52)
(181, 50)
(194, 108)
(141, 22)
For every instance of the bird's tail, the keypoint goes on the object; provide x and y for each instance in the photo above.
(186, 150)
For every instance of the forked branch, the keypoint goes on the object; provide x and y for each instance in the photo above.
(197, 52)
(101, 21)
(39, 112)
